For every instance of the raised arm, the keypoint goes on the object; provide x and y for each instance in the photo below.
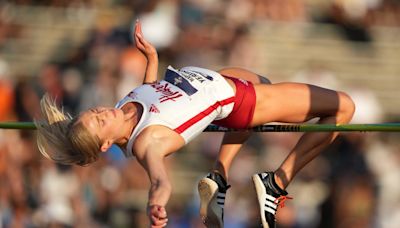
(149, 51)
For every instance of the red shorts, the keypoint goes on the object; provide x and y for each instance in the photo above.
(243, 109)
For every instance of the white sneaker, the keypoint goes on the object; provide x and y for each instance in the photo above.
(212, 190)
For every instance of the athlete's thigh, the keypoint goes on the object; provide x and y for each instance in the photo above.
(235, 138)
(236, 72)
(294, 102)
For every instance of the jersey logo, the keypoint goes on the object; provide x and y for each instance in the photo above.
(154, 109)
(182, 81)
(166, 92)
(177, 80)
(132, 95)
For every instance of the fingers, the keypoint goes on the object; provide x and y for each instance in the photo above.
(161, 212)
(138, 30)
(139, 44)
(140, 41)
(159, 222)
(158, 216)
(152, 226)
(138, 27)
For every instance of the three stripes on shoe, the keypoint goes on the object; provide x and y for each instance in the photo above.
(222, 188)
(221, 202)
(270, 205)
(221, 199)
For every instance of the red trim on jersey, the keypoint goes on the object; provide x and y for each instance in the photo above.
(203, 114)
(243, 110)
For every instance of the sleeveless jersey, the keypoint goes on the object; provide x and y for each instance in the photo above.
(186, 101)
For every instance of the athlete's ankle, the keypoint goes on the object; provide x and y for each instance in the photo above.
(221, 173)
(280, 180)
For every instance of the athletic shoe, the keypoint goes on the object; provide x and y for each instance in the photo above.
(269, 196)
(212, 191)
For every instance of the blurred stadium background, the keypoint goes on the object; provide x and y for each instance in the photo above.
(81, 52)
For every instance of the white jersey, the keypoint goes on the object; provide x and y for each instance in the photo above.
(186, 101)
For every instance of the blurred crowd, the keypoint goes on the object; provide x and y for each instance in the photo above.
(353, 184)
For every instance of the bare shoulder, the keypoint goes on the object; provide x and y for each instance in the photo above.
(157, 138)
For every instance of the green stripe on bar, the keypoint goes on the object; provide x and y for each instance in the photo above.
(18, 125)
(387, 127)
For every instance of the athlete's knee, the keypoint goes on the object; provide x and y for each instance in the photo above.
(347, 107)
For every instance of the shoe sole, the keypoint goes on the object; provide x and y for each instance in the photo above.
(208, 192)
(260, 189)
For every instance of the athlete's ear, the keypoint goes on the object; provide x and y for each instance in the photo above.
(128, 115)
(106, 145)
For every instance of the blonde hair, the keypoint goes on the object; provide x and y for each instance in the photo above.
(64, 139)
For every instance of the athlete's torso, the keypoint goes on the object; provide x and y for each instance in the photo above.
(186, 101)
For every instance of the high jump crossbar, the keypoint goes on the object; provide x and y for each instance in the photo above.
(384, 127)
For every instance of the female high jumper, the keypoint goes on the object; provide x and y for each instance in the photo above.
(159, 117)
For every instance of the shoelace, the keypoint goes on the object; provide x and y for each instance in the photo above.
(280, 201)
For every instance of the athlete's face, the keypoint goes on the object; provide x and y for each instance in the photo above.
(106, 123)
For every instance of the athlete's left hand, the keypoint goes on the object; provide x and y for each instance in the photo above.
(141, 43)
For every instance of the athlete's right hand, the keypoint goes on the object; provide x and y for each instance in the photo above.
(141, 43)
(157, 215)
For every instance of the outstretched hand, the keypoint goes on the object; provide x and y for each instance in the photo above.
(141, 43)
(158, 216)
